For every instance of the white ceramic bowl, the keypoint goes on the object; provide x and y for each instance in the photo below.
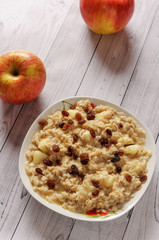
(149, 143)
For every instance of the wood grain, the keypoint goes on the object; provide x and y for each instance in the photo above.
(116, 56)
(32, 26)
(142, 93)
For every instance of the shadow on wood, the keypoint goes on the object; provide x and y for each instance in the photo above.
(23, 121)
(114, 51)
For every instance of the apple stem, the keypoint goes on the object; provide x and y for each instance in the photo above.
(63, 102)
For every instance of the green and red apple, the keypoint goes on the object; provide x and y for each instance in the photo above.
(106, 16)
(22, 77)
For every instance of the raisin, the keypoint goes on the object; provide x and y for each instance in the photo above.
(75, 138)
(47, 162)
(143, 178)
(74, 170)
(70, 122)
(113, 141)
(72, 107)
(95, 193)
(118, 153)
(83, 155)
(51, 183)
(75, 156)
(61, 124)
(86, 109)
(78, 116)
(81, 175)
(69, 154)
(95, 183)
(39, 171)
(92, 132)
(65, 127)
(107, 145)
(93, 105)
(65, 113)
(118, 169)
(82, 121)
(121, 153)
(55, 148)
(58, 162)
(89, 112)
(43, 122)
(103, 141)
(70, 149)
(120, 125)
(84, 161)
(115, 159)
(90, 116)
(128, 178)
(108, 131)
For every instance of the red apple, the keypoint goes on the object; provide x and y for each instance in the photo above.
(106, 16)
(22, 77)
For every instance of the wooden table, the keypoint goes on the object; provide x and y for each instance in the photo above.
(122, 68)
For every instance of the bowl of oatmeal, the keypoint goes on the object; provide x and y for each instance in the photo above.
(87, 158)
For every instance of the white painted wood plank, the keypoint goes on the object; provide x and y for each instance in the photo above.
(142, 94)
(31, 24)
(43, 224)
(99, 231)
(7, 118)
(28, 25)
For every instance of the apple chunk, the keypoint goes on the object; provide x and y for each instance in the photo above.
(38, 157)
(43, 145)
(72, 113)
(108, 181)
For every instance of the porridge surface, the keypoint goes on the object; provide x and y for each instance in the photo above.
(87, 157)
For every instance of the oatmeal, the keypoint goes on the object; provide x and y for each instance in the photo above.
(88, 157)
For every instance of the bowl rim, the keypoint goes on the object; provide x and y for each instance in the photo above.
(56, 208)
